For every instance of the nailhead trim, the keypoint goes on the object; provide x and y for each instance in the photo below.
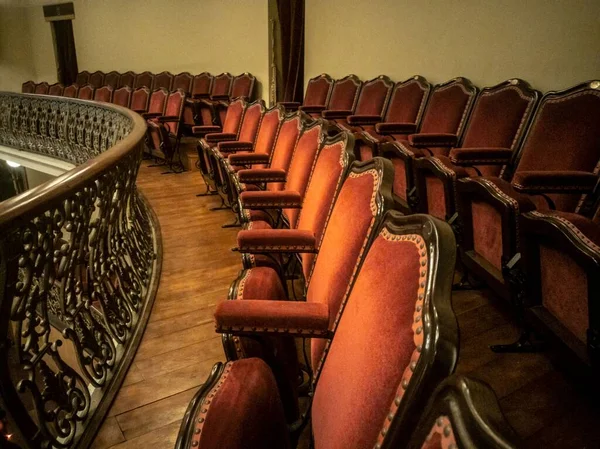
(273, 248)
(571, 228)
(373, 172)
(443, 427)
(272, 330)
(206, 405)
(242, 284)
(418, 334)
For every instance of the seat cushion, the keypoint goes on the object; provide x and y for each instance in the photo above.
(261, 283)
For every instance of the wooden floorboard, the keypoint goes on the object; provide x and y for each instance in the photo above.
(180, 346)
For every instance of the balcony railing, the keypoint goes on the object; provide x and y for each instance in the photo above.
(79, 268)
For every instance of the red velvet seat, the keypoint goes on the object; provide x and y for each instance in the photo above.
(163, 80)
(442, 125)
(71, 91)
(463, 413)
(86, 92)
(104, 93)
(405, 110)
(139, 99)
(201, 87)
(318, 91)
(397, 309)
(122, 97)
(205, 112)
(370, 107)
(556, 168)
(156, 103)
(183, 81)
(82, 78)
(242, 86)
(28, 87)
(164, 131)
(112, 79)
(561, 261)
(144, 79)
(41, 88)
(127, 79)
(96, 79)
(56, 89)
(344, 96)
(496, 126)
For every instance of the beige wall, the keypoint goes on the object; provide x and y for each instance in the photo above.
(551, 43)
(15, 63)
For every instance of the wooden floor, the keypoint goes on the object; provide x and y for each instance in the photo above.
(180, 346)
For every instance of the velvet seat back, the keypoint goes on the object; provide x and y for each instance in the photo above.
(163, 80)
(112, 79)
(284, 147)
(56, 89)
(158, 101)
(323, 185)
(499, 119)
(71, 91)
(374, 96)
(82, 78)
(139, 99)
(408, 100)
(122, 96)
(183, 81)
(348, 230)
(565, 136)
(41, 88)
(144, 79)
(243, 86)
(174, 108)
(302, 164)
(221, 84)
(127, 79)
(105, 94)
(28, 87)
(251, 122)
(270, 126)
(233, 119)
(382, 365)
(345, 93)
(96, 79)
(202, 84)
(318, 90)
(86, 92)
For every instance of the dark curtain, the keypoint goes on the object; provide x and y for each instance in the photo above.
(66, 57)
(291, 32)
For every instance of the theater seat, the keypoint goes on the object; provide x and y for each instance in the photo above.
(205, 111)
(318, 91)
(104, 93)
(139, 100)
(112, 79)
(28, 87)
(200, 89)
(397, 310)
(122, 97)
(86, 92)
(144, 79)
(82, 78)
(96, 79)
(442, 125)
(556, 169)
(344, 96)
(183, 81)
(494, 132)
(163, 80)
(56, 89)
(127, 79)
(41, 88)
(242, 86)
(156, 104)
(71, 91)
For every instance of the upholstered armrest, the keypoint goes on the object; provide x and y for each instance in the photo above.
(232, 146)
(256, 316)
(151, 114)
(205, 129)
(219, 137)
(200, 96)
(480, 156)
(271, 200)
(363, 119)
(139, 111)
(554, 182)
(276, 241)
(254, 175)
(219, 97)
(395, 128)
(249, 158)
(168, 118)
(330, 113)
(290, 105)
(432, 140)
(312, 109)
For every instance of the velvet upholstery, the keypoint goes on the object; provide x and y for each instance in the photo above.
(448, 107)
(221, 85)
(71, 91)
(140, 99)
(554, 181)
(247, 158)
(122, 96)
(260, 283)
(254, 175)
(276, 240)
(318, 90)
(86, 92)
(407, 101)
(104, 93)
(374, 97)
(112, 79)
(96, 79)
(395, 128)
(28, 87)
(243, 86)
(144, 79)
(273, 199)
(481, 156)
(235, 113)
(426, 140)
(251, 122)
(82, 78)
(56, 89)
(285, 146)
(127, 79)
(158, 102)
(183, 81)
(233, 146)
(487, 236)
(345, 93)
(41, 88)
(201, 85)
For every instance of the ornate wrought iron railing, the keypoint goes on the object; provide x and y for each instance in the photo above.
(79, 268)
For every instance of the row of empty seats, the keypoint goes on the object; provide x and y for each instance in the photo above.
(375, 308)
